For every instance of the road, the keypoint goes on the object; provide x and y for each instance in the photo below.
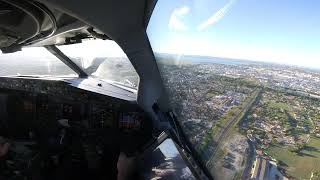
(250, 160)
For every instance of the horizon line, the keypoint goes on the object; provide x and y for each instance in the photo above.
(242, 59)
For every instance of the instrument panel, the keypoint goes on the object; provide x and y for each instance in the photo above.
(58, 126)
(36, 104)
(24, 112)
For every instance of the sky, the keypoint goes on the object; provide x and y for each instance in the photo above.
(280, 31)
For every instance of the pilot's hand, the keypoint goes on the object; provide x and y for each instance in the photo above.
(4, 147)
(125, 166)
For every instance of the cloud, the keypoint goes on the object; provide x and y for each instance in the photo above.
(216, 16)
(175, 22)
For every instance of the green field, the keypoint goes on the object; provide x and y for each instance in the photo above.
(300, 165)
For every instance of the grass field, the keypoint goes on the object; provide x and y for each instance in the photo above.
(299, 166)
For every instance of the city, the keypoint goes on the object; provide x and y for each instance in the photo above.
(245, 117)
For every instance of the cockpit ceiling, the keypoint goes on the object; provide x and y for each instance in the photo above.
(48, 22)
(25, 22)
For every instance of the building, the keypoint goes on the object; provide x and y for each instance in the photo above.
(264, 169)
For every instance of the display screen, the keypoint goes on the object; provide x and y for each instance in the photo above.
(130, 121)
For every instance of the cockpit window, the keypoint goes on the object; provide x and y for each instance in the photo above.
(103, 59)
(33, 61)
(243, 78)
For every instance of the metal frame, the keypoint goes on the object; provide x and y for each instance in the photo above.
(186, 150)
(66, 60)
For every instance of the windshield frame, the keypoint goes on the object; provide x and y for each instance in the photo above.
(102, 59)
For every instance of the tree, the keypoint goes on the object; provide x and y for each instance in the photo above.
(316, 174)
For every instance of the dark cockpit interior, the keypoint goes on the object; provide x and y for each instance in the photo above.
(59, 135)
(56, 127)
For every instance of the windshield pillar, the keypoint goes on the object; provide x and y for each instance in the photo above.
(66, 60)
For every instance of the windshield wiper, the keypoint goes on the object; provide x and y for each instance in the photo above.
(185, 148)
(188, 149)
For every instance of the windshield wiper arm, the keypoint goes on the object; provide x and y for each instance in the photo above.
(66, 60)
(180, 138)
(187, 151)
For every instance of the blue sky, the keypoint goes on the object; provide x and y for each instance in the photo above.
(282, 31)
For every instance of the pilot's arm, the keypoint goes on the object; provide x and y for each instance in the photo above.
(4, 147)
